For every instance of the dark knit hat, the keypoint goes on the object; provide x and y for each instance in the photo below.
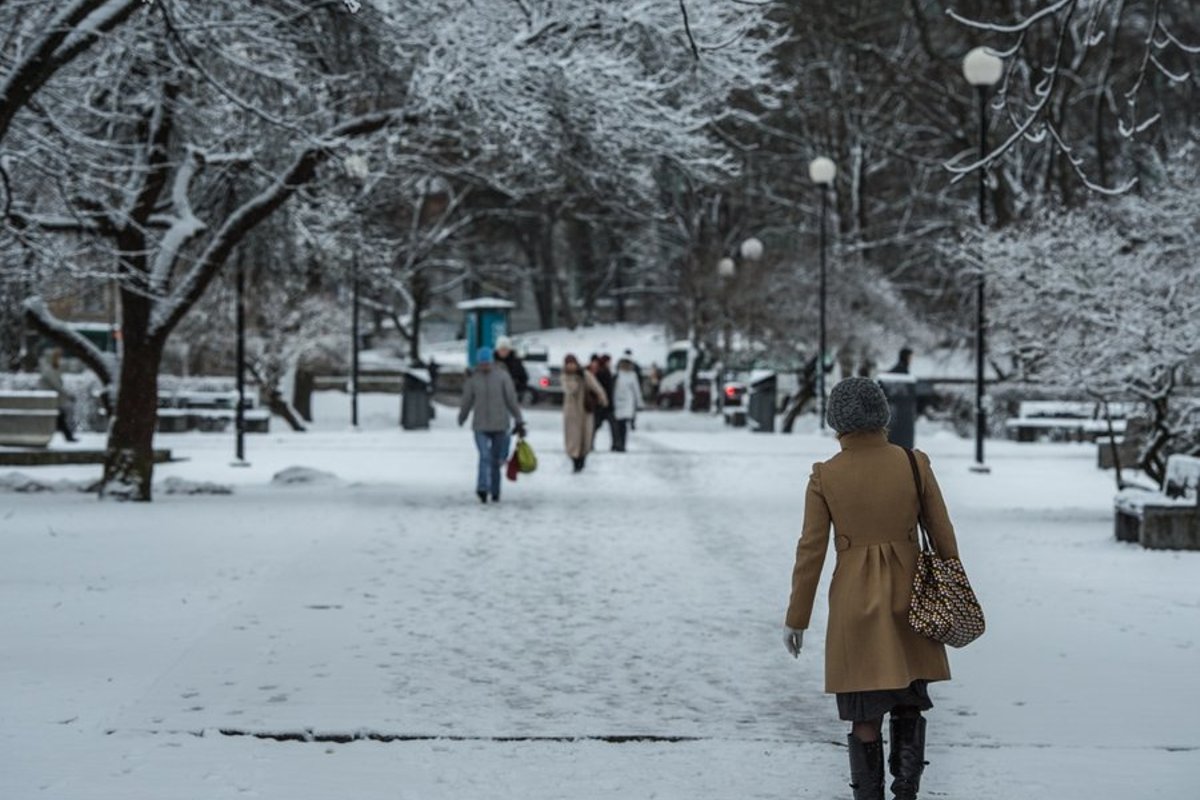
(857, 404)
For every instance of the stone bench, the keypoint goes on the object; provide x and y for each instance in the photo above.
(28, 418)
(1165, 520)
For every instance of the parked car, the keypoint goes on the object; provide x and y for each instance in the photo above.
(734, 394)
(545, 380)
(672, 390)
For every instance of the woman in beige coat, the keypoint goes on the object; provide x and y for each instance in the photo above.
(875, 662)
(579, 386)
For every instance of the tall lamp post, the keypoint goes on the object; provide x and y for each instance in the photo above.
(240, 414)
(357, 168)
(751, 249)
(982, 69)
(822, 171)
(354, 343)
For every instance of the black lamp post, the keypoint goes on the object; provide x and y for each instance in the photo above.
(822, 171)
(354, 345)
(982, 69)
(358, 169)
(240, 414)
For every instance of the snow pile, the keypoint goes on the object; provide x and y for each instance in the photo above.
(177, 485)
(19, 482)
(304, 476)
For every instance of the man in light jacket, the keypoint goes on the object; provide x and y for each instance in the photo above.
(490, 394)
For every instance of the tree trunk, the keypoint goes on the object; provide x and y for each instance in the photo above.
(579, 234)
(547, 273)
(129, 457)
(280, 407)
(419, 291)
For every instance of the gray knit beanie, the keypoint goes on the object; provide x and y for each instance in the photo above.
(857, 404)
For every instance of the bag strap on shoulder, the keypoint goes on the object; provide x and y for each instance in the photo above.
(926, 541)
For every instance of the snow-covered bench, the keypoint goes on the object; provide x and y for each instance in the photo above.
(209, 412)
(27, 418)
(1059, 419)
(1166, 520)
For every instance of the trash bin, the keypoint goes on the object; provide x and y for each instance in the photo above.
(901, 391)
(762, 402)
(415, 406)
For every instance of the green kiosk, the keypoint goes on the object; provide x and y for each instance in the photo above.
(487, 321)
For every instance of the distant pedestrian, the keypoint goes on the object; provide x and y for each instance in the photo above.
(903, 361)
(641, 384)
(866, 363)
(875, 662)
(606, 379)
(507, 358)
(582, 395)
(655, 382)
(489, 393)
(51, 380)
(627, 399)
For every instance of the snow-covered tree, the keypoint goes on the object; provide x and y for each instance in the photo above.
(165, 148)
(192, 136)
(1107, 299)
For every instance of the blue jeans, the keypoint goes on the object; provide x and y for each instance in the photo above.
(493, 450)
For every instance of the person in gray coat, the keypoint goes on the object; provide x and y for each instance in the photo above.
(51, 380)
(490, 394)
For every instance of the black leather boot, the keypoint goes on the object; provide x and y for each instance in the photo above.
(907, 758)
(866, 768)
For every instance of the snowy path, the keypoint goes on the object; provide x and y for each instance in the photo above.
(642, 598)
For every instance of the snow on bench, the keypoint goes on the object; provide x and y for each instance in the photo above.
(1169, 519)
(1080, 420)
(208, 412)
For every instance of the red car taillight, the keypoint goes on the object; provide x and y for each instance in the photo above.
(544, 383)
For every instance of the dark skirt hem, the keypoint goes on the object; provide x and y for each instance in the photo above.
(873, 704)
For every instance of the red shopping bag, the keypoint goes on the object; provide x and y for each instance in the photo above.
(513, 468)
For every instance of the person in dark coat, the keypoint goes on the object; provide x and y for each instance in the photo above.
(507, 358)
(903, 361)
(604, 376)
(875, 663)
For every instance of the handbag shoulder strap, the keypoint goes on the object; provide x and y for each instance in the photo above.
(926, 541)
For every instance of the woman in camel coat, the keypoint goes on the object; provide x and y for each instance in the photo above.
(875, 662)
(578, 419)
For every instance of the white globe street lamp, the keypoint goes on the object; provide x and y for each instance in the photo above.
(726, 267)
(822, 170)
(982, 67)
(752, 249)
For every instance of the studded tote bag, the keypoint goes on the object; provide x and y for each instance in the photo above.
(943, 606)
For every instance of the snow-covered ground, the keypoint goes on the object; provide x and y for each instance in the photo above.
(641, 598)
